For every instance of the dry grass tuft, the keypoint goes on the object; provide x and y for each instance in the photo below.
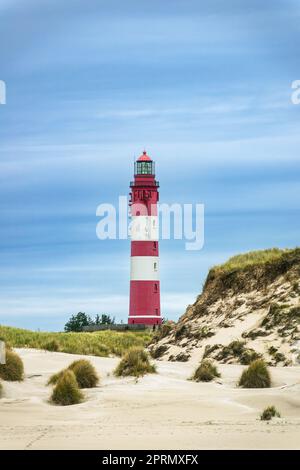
(136, 363)
(269, 413)
(13, 370)
(256, 376)
(66, 391)
(206, 372)
(84, 371)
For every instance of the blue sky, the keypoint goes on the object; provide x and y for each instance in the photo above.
(204, 86)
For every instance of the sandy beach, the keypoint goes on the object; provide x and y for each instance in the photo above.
(161, 411)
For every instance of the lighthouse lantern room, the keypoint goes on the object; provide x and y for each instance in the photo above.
(144, 305)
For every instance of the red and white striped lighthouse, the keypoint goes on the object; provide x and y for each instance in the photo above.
(144, 306)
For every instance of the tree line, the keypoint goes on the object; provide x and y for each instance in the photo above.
(80, 320)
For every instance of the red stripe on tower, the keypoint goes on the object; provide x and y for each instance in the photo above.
(144, 305)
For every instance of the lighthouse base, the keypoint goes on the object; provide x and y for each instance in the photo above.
(144, 306)
(144, 320)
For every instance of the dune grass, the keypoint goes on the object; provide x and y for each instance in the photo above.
(13, 369)
(269, 413)
(84, 372)
(256, 376)
(205, 372)
(1, 390)
(55, 377)
(259, 257)
(98, 343)
(66, 391)
(134, 363)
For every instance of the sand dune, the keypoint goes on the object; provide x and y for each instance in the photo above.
(163, 411)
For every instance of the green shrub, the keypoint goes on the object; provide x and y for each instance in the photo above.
(235, 349)
(85, 373)
(206, 372)
(208, 350)
(1, 390)
(296, 287)
(136, 363)
(253, 334)
(204, 332)
(279, 357)
(163, 331)
(269, 413)
(294, 312)
(274, 316)
(272, 350)
(13, 370)
(180, 331)
(182, 357)
(255, 376)
(248, 356)
(66, 391)
(159, 351)
(51, 345)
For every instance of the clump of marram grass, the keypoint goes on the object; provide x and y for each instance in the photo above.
(66, 392)
(55, 377)
(256, 376)
(85, 373)
(205, 372)
(269, 413)
(13, 369)
(135, 362)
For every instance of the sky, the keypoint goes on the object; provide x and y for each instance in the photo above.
(204, 87)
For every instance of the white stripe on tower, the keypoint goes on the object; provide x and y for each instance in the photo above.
(144, 268)
(144, 228)
(142, 316)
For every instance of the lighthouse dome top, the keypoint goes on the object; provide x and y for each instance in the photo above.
(144, 165)
(144, 157)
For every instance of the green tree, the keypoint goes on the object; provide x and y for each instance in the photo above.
(104, 319)
(78, 321)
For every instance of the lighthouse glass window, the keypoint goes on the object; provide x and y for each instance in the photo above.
(144, 168)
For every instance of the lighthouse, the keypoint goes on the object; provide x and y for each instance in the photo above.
(144, 305)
